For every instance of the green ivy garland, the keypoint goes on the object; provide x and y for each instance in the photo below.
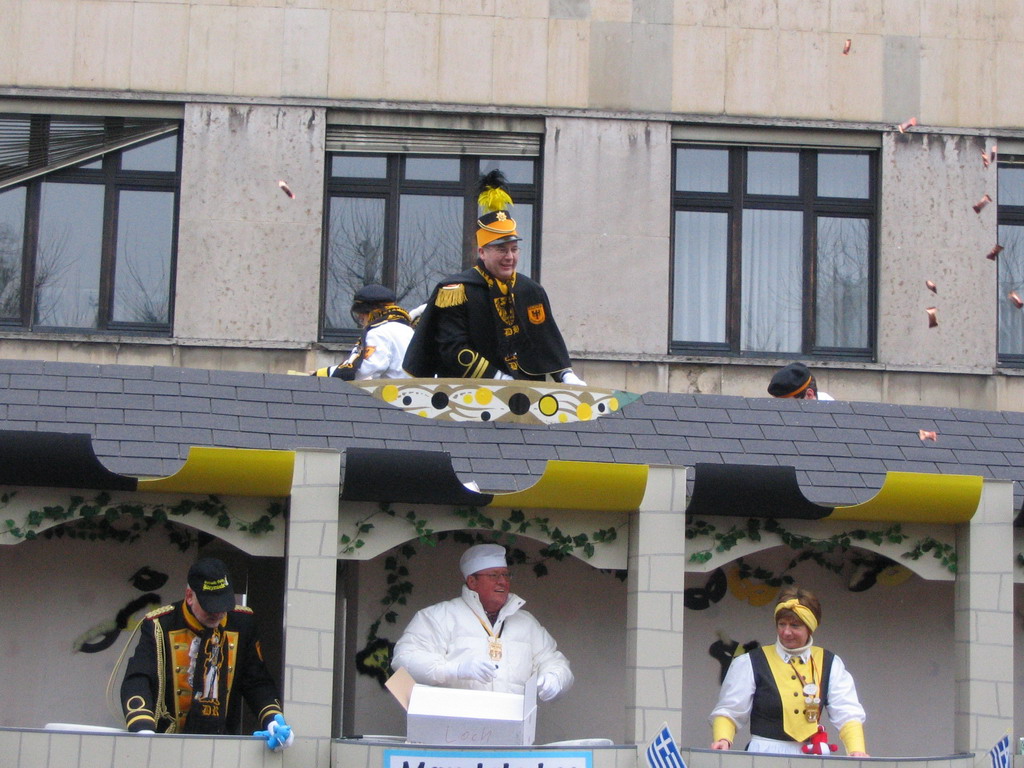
(811, 548)
(100, 520)
(396, 569)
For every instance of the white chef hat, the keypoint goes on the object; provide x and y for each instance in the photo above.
(480, 557)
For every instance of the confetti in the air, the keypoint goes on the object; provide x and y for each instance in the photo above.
(906, 125)
(932, 319)
(286, 189)
(927, 434)
(931, 286)
(985, 200)
(1017, 301)
(996, 250)
(846, 46)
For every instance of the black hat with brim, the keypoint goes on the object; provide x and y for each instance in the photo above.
(209, 579)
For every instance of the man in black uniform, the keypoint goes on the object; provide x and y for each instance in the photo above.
(191, 658)
(490, 322)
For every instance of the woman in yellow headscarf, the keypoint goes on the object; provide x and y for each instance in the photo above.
(783, 689)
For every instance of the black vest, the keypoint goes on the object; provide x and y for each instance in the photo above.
(766, 710)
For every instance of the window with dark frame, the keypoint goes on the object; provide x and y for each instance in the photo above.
(774, 251)
(1010, 262)
(409, 220)
(88, 220)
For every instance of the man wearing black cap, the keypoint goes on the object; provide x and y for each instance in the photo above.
(191, 658)
(490, 322)
(387, 330)
(796, 381)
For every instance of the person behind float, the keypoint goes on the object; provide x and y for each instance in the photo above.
(490, 321)
(796, 381)
(761, 685)
(387, 331)
(483, 640)
(195, 659)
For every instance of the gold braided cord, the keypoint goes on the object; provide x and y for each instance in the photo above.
(160, 706)
(112, 708)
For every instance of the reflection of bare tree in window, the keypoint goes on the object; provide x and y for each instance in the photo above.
(429, 248)
(842, 282)
(429, 245)
(139, 300)
(58, 302)
(355, 248)
(1011, 278)
(10, 271)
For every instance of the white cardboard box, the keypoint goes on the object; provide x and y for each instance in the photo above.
(459, 717)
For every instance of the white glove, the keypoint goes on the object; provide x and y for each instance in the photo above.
(571, 378)
(474, 669)
(547, 687)
(502, 376)
(415, 312)
(147, 732)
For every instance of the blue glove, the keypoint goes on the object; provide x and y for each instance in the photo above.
(278, 734)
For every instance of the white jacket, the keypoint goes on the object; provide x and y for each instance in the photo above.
(385, 351)
(451, 631)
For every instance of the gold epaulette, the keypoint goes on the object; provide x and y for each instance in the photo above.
(450, 296)
(242, 609)
(159, 611)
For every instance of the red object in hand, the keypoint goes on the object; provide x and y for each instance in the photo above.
(818, 745)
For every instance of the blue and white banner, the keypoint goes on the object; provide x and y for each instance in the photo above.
(663, 752)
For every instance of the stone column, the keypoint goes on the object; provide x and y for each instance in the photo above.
(312, 555)
(654, 607)
(983, 622)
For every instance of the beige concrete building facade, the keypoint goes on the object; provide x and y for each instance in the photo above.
(602, 97)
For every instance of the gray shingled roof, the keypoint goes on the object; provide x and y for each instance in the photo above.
(144, 419)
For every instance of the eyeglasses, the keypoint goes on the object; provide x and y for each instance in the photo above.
(501, 575)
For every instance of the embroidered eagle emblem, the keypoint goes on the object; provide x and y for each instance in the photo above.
(535, 313)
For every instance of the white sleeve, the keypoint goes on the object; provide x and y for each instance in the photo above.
(548, 660)
(737, 694)
(376, 355)
(843, 704)
(420, 649)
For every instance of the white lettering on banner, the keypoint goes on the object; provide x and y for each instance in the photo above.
(430, 758)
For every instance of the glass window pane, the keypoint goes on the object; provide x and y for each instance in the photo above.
(12, 237)
(159, 155)
(67, 278)
(842, 283)
(1011, 185)
(773, 173)
(1011, 278)
(355, 249)
(772, 269)
(432, 168)
(843, 175)
(523, 214)
(359, 167)
(142, 271)
(702, 170)
(429, 245)
(516, 171)
(700, 276)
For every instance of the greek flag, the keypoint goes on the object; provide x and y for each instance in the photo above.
(663, 752)
(999, 755)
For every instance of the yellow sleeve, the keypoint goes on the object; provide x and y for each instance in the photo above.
(852, 736)
(723, 727)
